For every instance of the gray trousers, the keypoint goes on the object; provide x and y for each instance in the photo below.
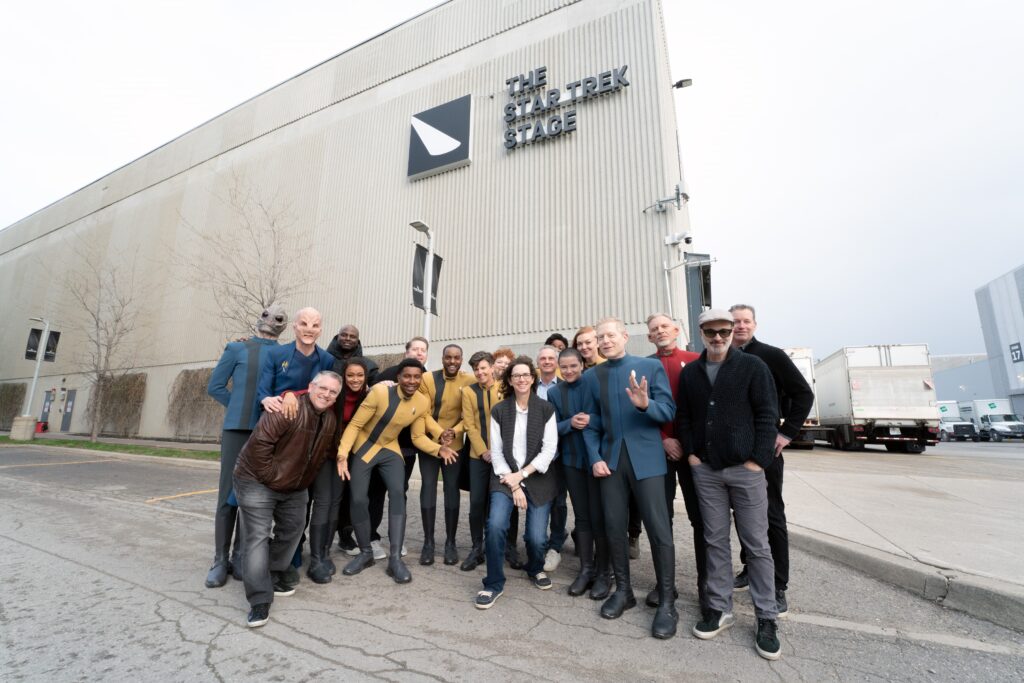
(262, 509)
(745, 491)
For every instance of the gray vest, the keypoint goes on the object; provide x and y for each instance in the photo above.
(541, 487)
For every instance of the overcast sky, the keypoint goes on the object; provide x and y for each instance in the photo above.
(854, 167)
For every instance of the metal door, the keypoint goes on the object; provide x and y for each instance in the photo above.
(47, 402)
(69, 407)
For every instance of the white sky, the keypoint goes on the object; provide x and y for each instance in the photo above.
(855, 167)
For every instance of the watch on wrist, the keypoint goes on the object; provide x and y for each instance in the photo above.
(525, 474)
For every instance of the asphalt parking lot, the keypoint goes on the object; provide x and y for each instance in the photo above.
(109, 553)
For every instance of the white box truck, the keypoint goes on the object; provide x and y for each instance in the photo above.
(994, 419)
(952, 426)
(803, 359)
(879, 394)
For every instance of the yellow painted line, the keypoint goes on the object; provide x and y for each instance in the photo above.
(181, 495)
(55, 464)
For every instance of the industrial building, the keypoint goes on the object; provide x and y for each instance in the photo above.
(535, 138)
(1001, 309)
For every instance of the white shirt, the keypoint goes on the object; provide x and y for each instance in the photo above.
(548, 447)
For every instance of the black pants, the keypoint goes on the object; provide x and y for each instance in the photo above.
(681, 469)
(231, 442)
(650, 498)
(634, 518)
(430, 468)
(585, 493)
(479, 490)
(378, 489)
(391, 467)
(559, 509)
(778, 535)
(326, 492)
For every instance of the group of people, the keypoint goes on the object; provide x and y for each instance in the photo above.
(317, 439)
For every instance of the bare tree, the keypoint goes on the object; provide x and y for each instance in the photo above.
(106, 301)
(250, 263)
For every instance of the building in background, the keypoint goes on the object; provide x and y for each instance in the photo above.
(1001, 309)
(965, 377)
(537, 140)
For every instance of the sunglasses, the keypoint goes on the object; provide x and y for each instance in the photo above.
(723, 333)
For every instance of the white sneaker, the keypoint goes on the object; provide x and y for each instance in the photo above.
(378, 550)
(552, 559)
(404, 551)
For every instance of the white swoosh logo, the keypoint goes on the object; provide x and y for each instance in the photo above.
(436, 142)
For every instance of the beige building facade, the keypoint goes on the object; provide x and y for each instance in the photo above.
(551, 223)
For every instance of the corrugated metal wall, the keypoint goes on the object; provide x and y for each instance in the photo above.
(546, 237)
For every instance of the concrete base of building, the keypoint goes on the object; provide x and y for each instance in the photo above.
(23, 428)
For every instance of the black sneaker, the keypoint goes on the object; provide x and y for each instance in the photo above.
(541, 581)
(767, 640)
(486, 599)
(780, 603)
(741, 582)
(712, 623)
(259, 615)
(282, 589)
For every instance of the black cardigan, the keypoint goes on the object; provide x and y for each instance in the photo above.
(733, 422)
(796, 398)
(542, 487)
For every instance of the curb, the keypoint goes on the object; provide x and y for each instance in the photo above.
(999, 602)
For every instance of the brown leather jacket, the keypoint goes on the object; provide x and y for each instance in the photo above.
(285, 455)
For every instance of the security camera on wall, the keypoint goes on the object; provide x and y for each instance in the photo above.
(678, 238)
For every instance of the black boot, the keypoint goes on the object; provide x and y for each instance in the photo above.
(475, 558)
(451, 525)
(332, 524)
(666, 618)
(223, 524)
(396, 536)
(602, 581)
(622, 599)
(584, 542)
(237, 561)
(427, 554)
(318, 540)
(365, 557)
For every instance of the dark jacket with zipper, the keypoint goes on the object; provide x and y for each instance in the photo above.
(341, 360)
(796, 398)
(541, 487)
(285, 455)
(735, 420)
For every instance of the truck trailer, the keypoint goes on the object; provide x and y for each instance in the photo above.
(879, 394)
(803, 359)
(994, 419)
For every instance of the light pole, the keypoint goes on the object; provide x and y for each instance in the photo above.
(428, 276)
(41, 351)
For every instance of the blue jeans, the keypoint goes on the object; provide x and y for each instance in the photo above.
(536, 537)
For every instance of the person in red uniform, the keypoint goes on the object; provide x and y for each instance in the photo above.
(663, 332)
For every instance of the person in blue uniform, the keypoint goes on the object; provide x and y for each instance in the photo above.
(240, 365)
(624, 444)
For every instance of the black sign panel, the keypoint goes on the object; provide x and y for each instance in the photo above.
(50, 353)
(439, 138)
(32, 347)
(1016, 355)
(417, 278)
